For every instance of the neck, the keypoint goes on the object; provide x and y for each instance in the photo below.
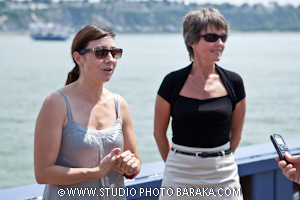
(90, 92)
(203, 70)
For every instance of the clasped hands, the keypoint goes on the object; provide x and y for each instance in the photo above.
(125, 163)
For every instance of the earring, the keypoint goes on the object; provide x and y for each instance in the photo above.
(193, 46)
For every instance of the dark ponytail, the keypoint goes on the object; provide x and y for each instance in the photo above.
(73, 75)
(81, 40)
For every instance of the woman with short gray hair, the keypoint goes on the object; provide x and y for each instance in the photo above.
(196, 21)
(207, 104)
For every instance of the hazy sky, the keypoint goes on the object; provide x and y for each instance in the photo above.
(235, 2)
(250, 2)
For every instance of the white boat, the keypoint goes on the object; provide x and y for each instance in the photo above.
(47, 31)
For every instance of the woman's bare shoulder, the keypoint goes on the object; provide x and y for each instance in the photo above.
(54, 103)
(123, 103)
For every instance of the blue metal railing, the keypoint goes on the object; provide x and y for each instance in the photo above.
(261, 179)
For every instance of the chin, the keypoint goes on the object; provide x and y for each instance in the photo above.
(217, 59)
(106, 79)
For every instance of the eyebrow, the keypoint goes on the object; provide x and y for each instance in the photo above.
(103, 47)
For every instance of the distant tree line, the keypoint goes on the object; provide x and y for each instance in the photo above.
(144, 16)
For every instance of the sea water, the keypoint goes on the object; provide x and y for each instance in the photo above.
(269, 64)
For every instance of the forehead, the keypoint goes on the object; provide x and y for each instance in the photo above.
(107, 42)
(211, 28)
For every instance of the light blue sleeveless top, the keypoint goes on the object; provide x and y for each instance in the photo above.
(83, 147)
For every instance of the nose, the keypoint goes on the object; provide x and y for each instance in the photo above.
(220, 42)
(109, 57)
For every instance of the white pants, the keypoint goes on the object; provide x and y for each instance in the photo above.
(208, 178)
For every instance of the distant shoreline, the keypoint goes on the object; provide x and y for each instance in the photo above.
(23, 32)
(14, 32)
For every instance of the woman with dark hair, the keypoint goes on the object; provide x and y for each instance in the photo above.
(84, 141)
(207, 104)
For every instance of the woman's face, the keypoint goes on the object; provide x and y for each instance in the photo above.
(209, 51)
(95, 69)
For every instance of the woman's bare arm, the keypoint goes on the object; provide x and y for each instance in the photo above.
(237, 123)
(161, 123)
(129, 162)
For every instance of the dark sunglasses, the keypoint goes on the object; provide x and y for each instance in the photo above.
(212, 37)
(101, 53)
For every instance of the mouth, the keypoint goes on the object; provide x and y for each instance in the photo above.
(217, 50)
(108, 70)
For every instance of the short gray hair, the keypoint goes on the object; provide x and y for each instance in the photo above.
(199, 19)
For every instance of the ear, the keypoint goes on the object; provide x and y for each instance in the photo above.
(78, 58)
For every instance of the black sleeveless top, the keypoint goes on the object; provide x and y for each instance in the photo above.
(201, 123)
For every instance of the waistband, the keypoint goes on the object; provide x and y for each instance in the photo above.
(223, 147)
(203, 154)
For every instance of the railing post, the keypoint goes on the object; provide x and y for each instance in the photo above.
(283, 187)
(262, 186)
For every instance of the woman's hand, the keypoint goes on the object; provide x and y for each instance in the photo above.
(291, 171)
(109, 162)
(127, 163)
